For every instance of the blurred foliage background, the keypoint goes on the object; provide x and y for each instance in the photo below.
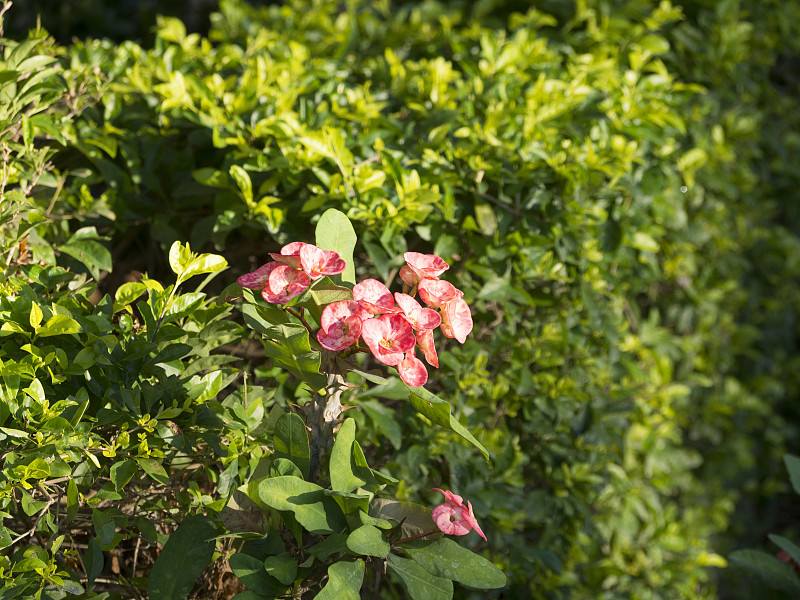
(614, 182)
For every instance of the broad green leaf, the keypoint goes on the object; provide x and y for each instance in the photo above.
(242, 180)
(291, 348)
(420, 584)
(205, 263)
(438, 411)
(445, 558)
(787, 546)
(122, 472)
(344, 581)
(36, 315)
(252, 573)
(179, 257)
(94, 255)
(242, 514)
(93, 560)
(282, 567)
(58, 325)
(72, 499)
(793, 466)
(772, 572)
(333, 544)
(335, 232)
(263, 320)
(416, 519)
(154, 469)
(183, 558)
(342, 468)
(315, 511)
(368, 541)
(291, 441)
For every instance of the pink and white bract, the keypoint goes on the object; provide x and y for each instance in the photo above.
(341, 325)
(453, 518)
(290, 254)
(285, 284)
(456, 320)
(389, 337)
(317, 262)
(436, 292)
(422, 266)
(259, 278)
(412, 371)
(374, 298)
(425, 343)
(420, 318)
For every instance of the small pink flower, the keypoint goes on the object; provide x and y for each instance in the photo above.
(259, 278)
(290, 254)
(456, 320)
(412, 371)
(420, 318)
(389, 337)
(422, 266)
(425, 343)
(374, 298)
(341, 325)
(453, 518)
(317, 262)
(285, 284)
(436, 292)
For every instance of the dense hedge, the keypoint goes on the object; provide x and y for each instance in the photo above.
(609, 180)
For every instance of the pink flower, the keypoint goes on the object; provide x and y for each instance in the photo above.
(453, 518)
(412, 371)
(420, 318)
(425, 343)
(374, 298)
(456, 320)
(422, 266)
(317, 262)
(389, 337)
(436, 292)
(290, 254)
(285, 284)
(341, 325)
(259, 278)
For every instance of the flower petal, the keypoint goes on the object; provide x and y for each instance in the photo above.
(341, 334)
(412, 371)
(428, 264)
(337, 311)
(436, 292)
(259, 278)
(425, 343)
(375, 294)
(457, 320)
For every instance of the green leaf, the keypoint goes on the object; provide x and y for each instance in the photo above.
(58, 325)
(90, 252)
(179, 257)
(252, 573)
(127, 293)
(282, 567)
(72, 499)
(438, 411)
(93, 560)
(787, 546)
(368, 541)
(205, 263)
(36, 315)
(416, 519)
(772, 572)
(335, 232)
(122, 472)
(242, 514)
(291, 441)
(315, 511)
(154, 469)
(291, 349)
(445, 558)
(187, 553)
(342, 467)
(793, 466)
(242, 180)
(344, 581)
(420, 584)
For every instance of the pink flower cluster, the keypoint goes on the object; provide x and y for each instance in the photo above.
(292, 271)
(453, 518)
(392, 325)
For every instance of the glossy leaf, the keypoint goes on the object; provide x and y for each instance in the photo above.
(191, 546)
(344, 581)
(446, 558)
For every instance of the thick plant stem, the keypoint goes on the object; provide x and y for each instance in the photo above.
(325, 411)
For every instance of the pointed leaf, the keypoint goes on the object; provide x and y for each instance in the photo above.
(187, 553)
(335, 232)
(58, 325)
(291, 348)
(344, 581)
(368, 541)
(291, 441)
(772, 572)
(343, 477)
(420, 584)
(445, 558)
(315, 511)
